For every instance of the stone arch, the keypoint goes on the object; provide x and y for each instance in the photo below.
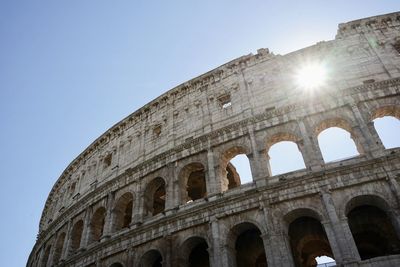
(391, 110)
(246, 246)
(384, 118)
(381, 199)
(117, 264)
(307, 237)
(155, 196)
(152, 258)
(285, 137)
(372, 225)
(96, 226)
(122, 212)
(312, 212)
(193, 252)
(230, 177)
(344, 125)
(76, 236)
(192, 179)
(58, 248)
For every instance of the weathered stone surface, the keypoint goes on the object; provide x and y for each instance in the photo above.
(154, 187)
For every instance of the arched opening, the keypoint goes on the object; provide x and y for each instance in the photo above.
(193, 182)
(325, 261)
(151, 258)
(194, 253)
(235, 167)
(58, 248)
(76, 236)
(122, 212)
(97, 225)
(337, 141)
(116, 264)
(285, 156)
(308, 240)
(248, 245)
(46, 255)
(373, 232)
(155, 195)
(388, 129)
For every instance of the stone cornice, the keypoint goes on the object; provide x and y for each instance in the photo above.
(368, 24)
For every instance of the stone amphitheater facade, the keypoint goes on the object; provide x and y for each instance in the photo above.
(157, 188)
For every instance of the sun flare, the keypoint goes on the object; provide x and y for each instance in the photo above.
(311, 76)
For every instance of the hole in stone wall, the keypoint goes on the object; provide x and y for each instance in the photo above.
(373, 232)
(250, 248)
(388, 129)
(238, 171)
(199, 256)
(97, 225)
(325, 261)
(336, 144)
(59, 248)
(225, 101)
(76, 235)
(285, 157)
(107, 160)
(308, 240)
(196, 185)
(122, 213)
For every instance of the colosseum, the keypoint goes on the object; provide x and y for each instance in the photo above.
(159, 189)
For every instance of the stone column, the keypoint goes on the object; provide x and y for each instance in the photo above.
(216, 259)
(172, 200)
(109, 216)
(343, 250)
(65, 249)
(167, 262)
(259, 163)
(213, 182)
(86, 228)
(349, 240)
(370, 140)
(138, 208)
(276, 241)
(309, 147)
(130, 257)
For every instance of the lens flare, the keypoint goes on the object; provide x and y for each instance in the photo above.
(311, 76)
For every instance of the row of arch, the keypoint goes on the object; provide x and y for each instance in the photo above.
(192, 184)
(373, 226)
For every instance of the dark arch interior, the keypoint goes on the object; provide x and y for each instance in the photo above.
(373, 232)
(159, 200)
(58, 248)
(76, 236)
(250, 249)
(116, 264)
(308, 240)
(199, 255)
(196, 184)
(155, 196)
(97, 225)
(151, 258)
(123, 212)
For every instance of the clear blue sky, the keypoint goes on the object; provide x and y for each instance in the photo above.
(69, 70)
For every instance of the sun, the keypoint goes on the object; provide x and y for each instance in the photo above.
(311, 76)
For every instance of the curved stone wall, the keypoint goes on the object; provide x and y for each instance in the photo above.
(157, 187)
